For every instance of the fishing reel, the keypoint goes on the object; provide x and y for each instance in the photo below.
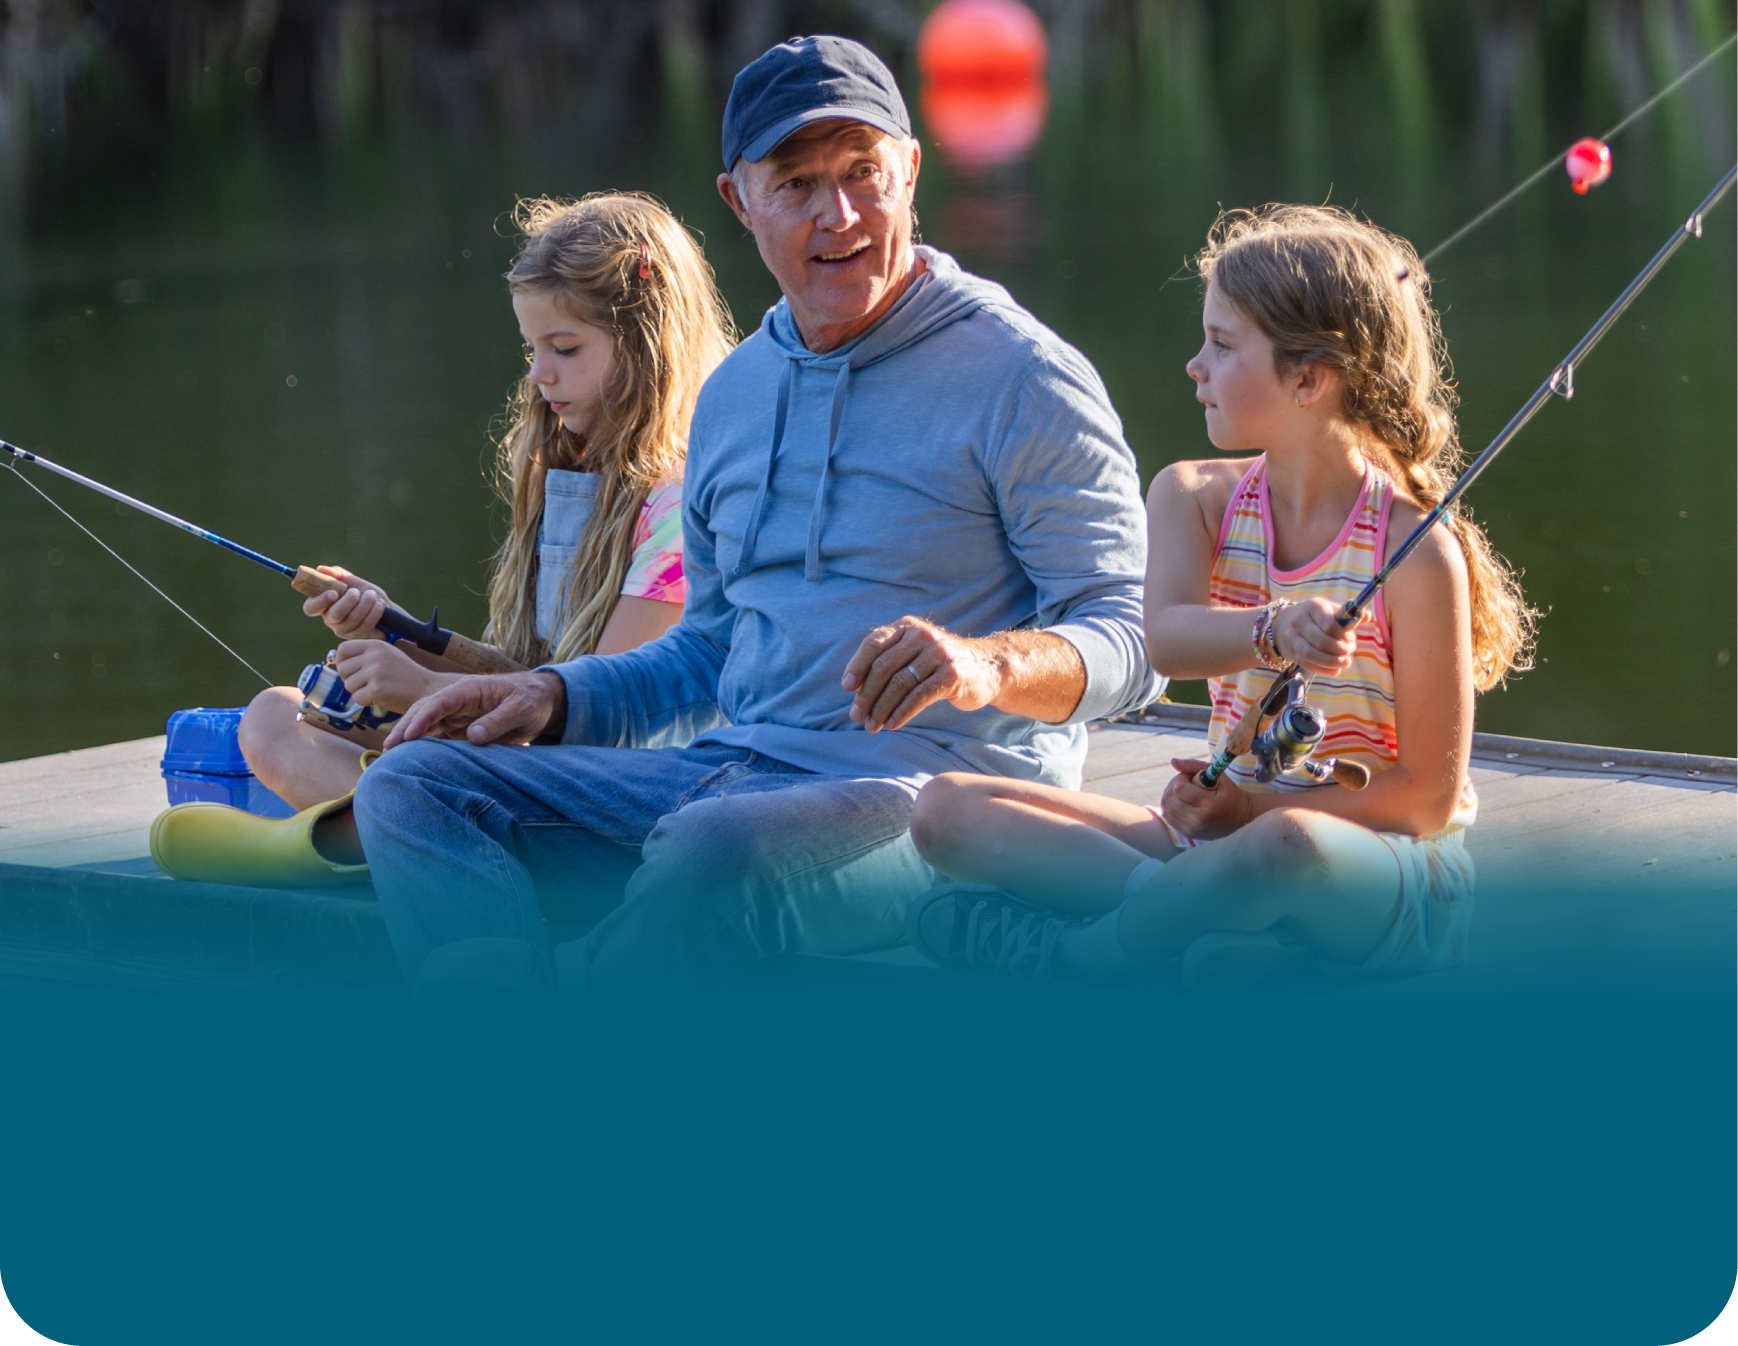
(327, 701)
(1290, 730)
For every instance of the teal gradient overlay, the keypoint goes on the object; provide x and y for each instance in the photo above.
(1535, 1147)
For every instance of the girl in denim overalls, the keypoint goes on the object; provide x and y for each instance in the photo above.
(623, 322)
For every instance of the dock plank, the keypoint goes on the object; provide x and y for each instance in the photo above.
(70, 808)
(1500, 789)
(1159, 760)
(1661, 849)
(1115, 750)
(1653, 849)
(1599, 818)
(1135, 787)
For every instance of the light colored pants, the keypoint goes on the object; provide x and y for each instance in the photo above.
(691, 862)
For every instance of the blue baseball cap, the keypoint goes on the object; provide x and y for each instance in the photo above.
(809, 79)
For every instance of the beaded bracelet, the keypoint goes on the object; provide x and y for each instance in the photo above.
(1262, 639)
(1259, 634)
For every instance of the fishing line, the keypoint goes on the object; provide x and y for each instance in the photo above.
(1550, 164)
(130, 566)
(1561, 383)
(430, 635)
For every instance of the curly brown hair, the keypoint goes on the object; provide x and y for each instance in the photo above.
(1328, 288)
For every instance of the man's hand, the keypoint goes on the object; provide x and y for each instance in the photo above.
(906, 665)
(354, 614)
(1204, 814)
(378, 674)
(486, 708)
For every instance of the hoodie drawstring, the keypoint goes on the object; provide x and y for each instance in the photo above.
(745, 561)
(818, 514)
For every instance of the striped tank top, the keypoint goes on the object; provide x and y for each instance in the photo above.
(1358, 704)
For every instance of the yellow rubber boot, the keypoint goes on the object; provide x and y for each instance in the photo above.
(214, 843)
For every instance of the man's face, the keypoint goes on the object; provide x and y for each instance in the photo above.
(830, 209)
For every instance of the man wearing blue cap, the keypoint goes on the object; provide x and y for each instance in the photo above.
(914, 544)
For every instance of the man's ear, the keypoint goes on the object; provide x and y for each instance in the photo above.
(733, 198)
(916, 163)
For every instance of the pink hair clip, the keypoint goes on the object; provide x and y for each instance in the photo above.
(645, 261)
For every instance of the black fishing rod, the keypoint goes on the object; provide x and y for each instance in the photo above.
(1561, 383)
(429, 635)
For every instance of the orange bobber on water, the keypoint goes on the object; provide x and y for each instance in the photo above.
(1588, 164)
(984, 97)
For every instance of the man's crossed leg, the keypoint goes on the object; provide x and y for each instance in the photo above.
(691, 862)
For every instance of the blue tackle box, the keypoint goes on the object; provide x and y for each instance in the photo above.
(204, 761)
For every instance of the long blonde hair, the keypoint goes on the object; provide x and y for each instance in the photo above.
(1328, 288)
(621, 262)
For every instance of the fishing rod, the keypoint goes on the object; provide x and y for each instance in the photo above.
(430, 635)
(1280, 702)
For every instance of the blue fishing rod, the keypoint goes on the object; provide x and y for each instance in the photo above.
(430, 635)
(1275, 727)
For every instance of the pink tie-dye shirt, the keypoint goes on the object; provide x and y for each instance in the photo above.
(655, 571)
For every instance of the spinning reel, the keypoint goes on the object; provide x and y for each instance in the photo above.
(327, 701)
(1287, 732)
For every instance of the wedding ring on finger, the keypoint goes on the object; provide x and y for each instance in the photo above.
(916, 677)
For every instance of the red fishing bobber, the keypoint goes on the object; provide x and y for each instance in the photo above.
(1588, 164)
(982, 42)
(984, 97)
(986, 124)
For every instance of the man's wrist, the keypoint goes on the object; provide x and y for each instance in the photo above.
(1038, 674)
(1003, 659)
(555, 727)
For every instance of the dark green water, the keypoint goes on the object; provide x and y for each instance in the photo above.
(249, 271)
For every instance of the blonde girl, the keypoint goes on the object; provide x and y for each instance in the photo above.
(1324, 383)
(622, 321)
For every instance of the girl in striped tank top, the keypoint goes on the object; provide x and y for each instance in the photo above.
(1322, 376)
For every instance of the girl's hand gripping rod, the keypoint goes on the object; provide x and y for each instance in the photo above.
(430, 635)
(1561, 383)
(1243, 732)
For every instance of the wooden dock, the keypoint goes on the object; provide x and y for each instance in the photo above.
(1650, 840)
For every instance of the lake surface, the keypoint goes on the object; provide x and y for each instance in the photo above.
(250, 272)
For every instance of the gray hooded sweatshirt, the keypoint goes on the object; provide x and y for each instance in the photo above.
(957, 462)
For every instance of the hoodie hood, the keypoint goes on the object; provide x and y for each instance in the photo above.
(941, 296)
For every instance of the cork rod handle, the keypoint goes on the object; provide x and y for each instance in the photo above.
(475, 657)
(311, 582)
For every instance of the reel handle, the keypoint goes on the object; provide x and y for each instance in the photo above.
(1352, 775)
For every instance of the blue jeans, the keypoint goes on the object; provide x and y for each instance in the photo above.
(692, 862)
